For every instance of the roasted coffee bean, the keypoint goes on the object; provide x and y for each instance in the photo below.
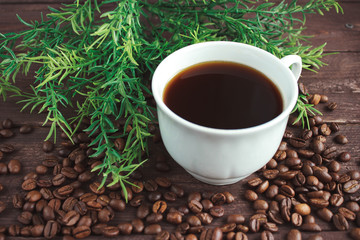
(6, 133)
(14, 166)
(351, 186)
(183, 228)
(81, 232)
(7, 123)
(262, 187)
(254, 225)
(269, 226)
(46, 193)
(7, 148)
(110, 231)
(355, 233)
(270, 174)
(154, 217)
(217, 211)
(297, 142)
(294, 234)
(48, 213)
(235, 218)
(29, 184)
(48, 146)
(329, 152)
(193, 221)
(296, 219)
(41, 169)
(352, 206)
(179, 191)
(272, 164)
(143, 211)
(44, 183)
(85, 221)
(267, 235)
(18, 201)
(254, 182)
(50, 229)
(344, 157)
(318, 202)
(150, 185)
(65, 190)
(218, 199)
(250, 195)
(14, 230)
(310, 227)
(212, 233)
(153, 196)
(195, 206)
(163, 235)
(302, 209)
(288, 175)
(174, 217)
(152, 229)
(332, 106)
(275, 217)
(25, 217)
(341, 139)
(170, 196)
(95, 188)
(69, 173)
(159, 206)
(71, 218)
(340, 222)
(260, 205)
(205, 218)
(125, 228)
(323, 176)
(33, 196)
(348, 214)
(287, 191)
(336, 200)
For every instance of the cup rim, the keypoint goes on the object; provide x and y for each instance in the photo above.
(196, 127)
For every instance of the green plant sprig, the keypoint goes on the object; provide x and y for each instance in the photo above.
(98, 62)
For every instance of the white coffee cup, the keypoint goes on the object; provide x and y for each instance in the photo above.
(221, 156)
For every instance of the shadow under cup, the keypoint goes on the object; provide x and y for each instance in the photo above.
(221, 156)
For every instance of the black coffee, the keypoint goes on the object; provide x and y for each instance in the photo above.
(223, 95)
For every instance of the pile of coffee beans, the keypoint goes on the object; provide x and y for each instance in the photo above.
(303, 182)
(304, 177)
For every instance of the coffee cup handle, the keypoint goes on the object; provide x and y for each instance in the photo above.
(295, 63)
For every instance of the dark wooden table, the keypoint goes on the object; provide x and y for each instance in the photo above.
(339, 80)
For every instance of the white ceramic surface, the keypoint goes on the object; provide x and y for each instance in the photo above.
(219, 156)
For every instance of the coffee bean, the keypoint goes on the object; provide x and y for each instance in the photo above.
(152, 229)
(329, 152)
(325, 214)
(7, 148)
(254, 182)
(152, 196)
(240, 236)
(341, 139)
(162, 166)
(250, 195)
(110, 231)
(336, 200)
(287, 191)
(14, 166)
(293, 234)
(348, 214)
(14, 230)
(81, 232)
(71, 218)
(355, 233)
(195, 206)
(260, 205)
(47, 146)
(33, 196)
(174, 217)
(352, 206)
(302, 209)
(340, 222)
(25, 129)
(297, 142)
(217, 211)
(211, 233)
(332, 106)
(205, 218)
(254, 225)
(270, 174)
(310, 227)
(235, 218)
(351, 186)
(159, 207)
(296, 219)
(65, 190)
(170, 196)
(218, 199)
(193, 221)
(267, 235)
(271, 227)
(154, 218)
(6, 133)
(262, 187)
(69, 172)
(163, 235)
(177, 190)
(51, 229)
(29, 184)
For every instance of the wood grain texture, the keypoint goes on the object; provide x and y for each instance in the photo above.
(339, 80)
